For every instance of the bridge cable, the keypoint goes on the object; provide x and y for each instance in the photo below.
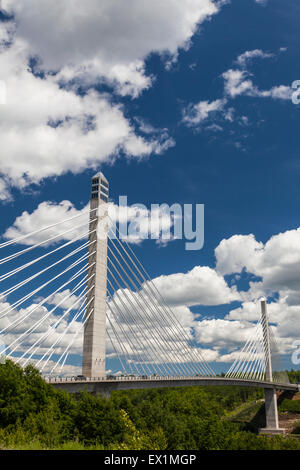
(34, 276)
(152, 306)
(26, 265)
(133, 306)
(48, 333)
(23, 237)
(132, 332)
(66, 353)
(119, 357)
(31, 294)
(172, 321)
(82, 296)
(159, 329)
(40, 321)
(157, 294)
(128, 338)
(123, 350)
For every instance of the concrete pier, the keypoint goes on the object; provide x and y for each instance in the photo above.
(272, 425)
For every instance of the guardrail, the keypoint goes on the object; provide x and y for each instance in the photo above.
(122, 378)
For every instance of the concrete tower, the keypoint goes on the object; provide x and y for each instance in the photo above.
(93, 363)
(272, 425)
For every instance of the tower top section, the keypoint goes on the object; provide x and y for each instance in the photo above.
(101, 176)
(100, 188)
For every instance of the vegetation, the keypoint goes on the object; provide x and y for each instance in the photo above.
(293, 406)
(33, 415)
(294, 376)
(296, 428)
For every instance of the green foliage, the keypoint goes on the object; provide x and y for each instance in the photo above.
(292, 406)
(294, 376)
(97, 420)
(296, 428)
(33, 415)
(135, 440)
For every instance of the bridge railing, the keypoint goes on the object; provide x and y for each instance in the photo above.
(122, 378)
(49, 379)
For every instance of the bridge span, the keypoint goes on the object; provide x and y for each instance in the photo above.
(106, 385)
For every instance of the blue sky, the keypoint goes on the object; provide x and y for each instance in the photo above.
(240, 160)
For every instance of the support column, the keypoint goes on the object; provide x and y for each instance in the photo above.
(93, 361)
(272, 425)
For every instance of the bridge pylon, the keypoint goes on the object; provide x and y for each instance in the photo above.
(94, 341)
(271, 411)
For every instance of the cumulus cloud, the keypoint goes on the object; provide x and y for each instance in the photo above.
(64, 299)
(47, 128)
(40, 322)
(200, 286)
(276, 264)
(237, 252)
(276, 261)
(223, 334)
(63, 217)
(52, 222)
(108, 40)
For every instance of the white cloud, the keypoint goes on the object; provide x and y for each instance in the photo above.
(7, 31)
(4, 190)
(281, 92)
(276, 261)
(247, 56)
(18, 322)
(47, 214)
(59, 299)
(66, 223)
(200, 286)
(222, 334)
(47, 129)
(107, 40)
(196, 114)
(237, 82)
(234, 253)
(277, 264)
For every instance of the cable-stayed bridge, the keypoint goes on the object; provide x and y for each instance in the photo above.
(76, 291)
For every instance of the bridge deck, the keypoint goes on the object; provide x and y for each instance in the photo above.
(104, 385)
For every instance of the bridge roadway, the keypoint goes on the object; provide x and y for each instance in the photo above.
(108, 385)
